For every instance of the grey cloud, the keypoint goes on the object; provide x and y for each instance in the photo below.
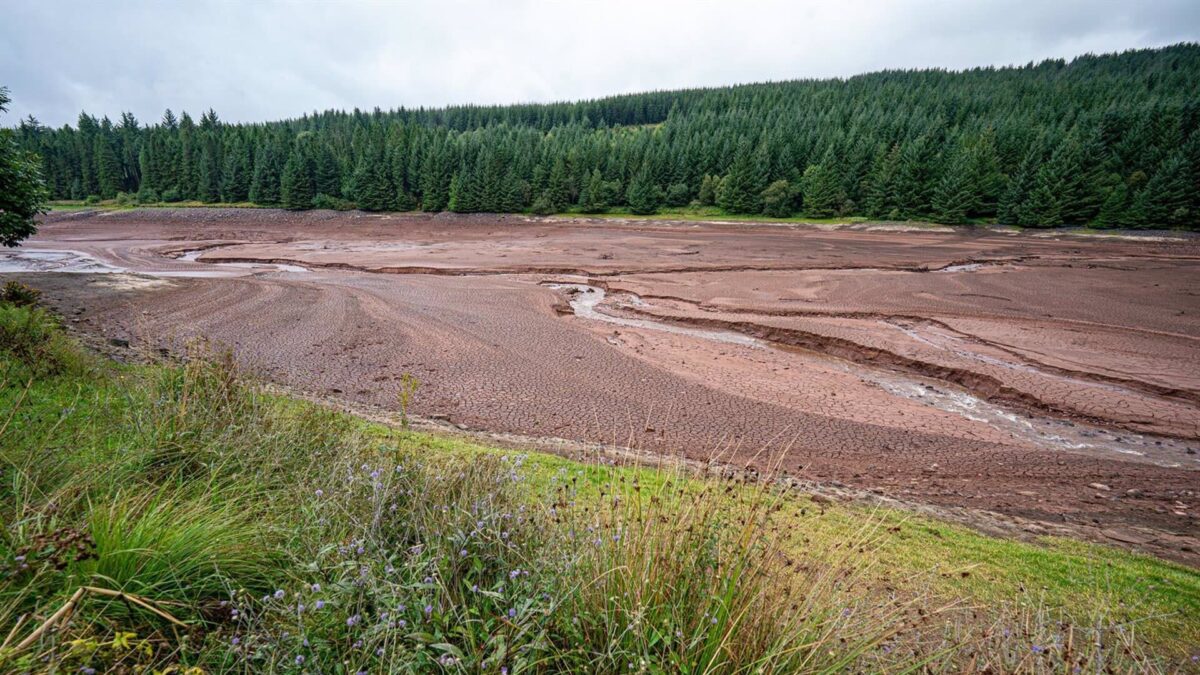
(254, 61)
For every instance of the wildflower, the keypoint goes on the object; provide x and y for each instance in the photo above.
(299, 659)
(316, 588)
(279, 594)
(353, 621)
(403, 623)
(319, 492)
(475, 588)
(463, 553)
(320, 604)
(235, 641)
(512, 613)
(428, 609)
(300, 608)
(514, 574)
(429, 580)
(1037, 649)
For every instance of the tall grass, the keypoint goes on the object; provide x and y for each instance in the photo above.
(291, 539)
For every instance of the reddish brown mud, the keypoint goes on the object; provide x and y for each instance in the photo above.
(1054, 378)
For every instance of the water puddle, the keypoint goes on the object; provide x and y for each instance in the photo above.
(585, 299)
(1043, 432)
(45, 260)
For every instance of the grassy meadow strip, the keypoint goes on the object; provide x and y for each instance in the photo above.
(178, 515)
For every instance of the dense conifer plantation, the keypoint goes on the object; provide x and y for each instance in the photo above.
(1108, 140)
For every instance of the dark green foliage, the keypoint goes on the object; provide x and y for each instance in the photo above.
(23, 193)
(644, 196)
(369, 187)
(1167, 199)
(1044, 144)
(741, 189)
(779, 199)
(823, 196)
(264, 188)
(708, 190)
(298, 187)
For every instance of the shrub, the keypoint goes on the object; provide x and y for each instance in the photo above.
(324, 201)
(33, 337)
(171, 196)
(92, 200)
(17, 293)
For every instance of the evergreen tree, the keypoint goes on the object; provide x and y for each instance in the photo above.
(1068, 143)
(23, 192)
(823, 196)
(264, 187)
(108, 168)
(235, 175)
(298, 187)
(741, 188)
(644, 196)
(1167, 198)
(369, 187)
(708, 190)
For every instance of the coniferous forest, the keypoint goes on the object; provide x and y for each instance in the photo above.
(1108, 141)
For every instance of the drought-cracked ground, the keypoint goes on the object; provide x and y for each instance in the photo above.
(1051, 379)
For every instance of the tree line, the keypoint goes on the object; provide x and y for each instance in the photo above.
(1110, 140)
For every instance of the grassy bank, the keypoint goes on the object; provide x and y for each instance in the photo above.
(177, 514)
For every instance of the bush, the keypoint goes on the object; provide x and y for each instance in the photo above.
(324, 201)
(92, 200)
(33, 337)
(542, 206)
(17, 293)
(171, 196)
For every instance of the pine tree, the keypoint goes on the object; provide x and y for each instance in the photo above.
(1166, 199)
(264, 187)
(957, 192)
(708, 190)
(235, 175)
(823, 196)
(593, 197)
(558, 190)
(298, 187)
(108, 168)
(741, 188)
(326, 174)
(644, 196)
(369, 187)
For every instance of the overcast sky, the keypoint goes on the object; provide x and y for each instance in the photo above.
(256, 60)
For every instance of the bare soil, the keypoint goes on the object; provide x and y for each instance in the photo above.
(1047, 379)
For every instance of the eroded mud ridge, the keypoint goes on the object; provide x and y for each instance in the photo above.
(1048, 378)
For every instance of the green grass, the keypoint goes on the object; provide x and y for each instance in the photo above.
(239, 512)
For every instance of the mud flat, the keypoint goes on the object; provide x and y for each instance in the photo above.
(1045, 379)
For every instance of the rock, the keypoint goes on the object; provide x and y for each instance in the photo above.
(119, 342)
(1099, 486)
